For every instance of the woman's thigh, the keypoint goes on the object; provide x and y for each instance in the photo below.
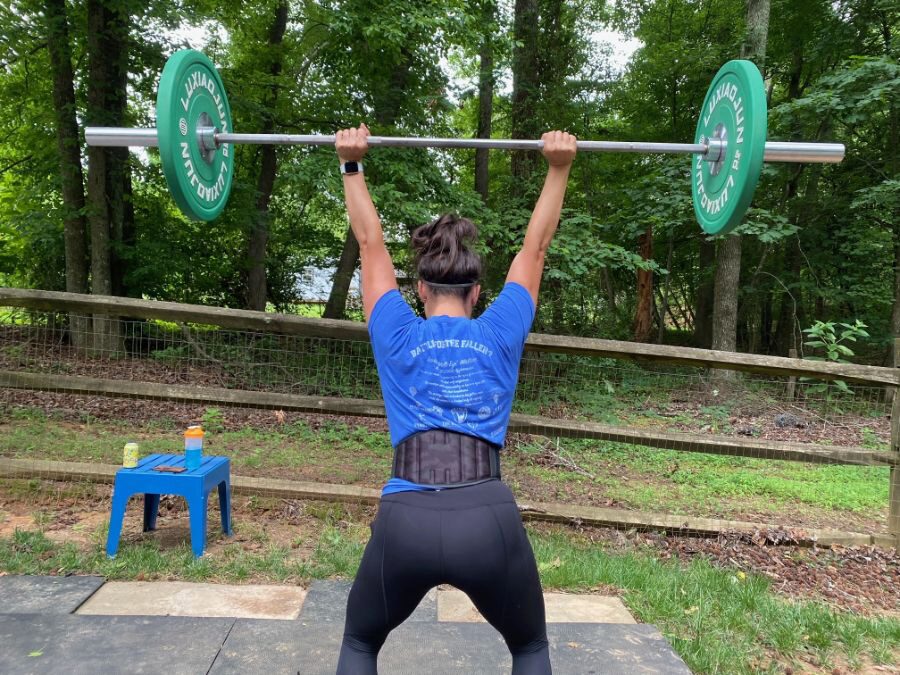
(488, 556)
(399, 565)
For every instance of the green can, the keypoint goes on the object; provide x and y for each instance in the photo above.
(130, 456)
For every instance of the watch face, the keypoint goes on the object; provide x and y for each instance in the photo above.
(351, 167)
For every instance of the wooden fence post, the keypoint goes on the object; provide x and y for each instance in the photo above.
(792, 381)
(894, 492)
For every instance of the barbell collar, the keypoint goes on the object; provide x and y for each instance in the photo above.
(121, 136)
(776, 151)
(804, 153)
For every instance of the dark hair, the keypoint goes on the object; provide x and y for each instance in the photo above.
(444, 255)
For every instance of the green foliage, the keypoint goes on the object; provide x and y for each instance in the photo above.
(819, 241)
(831, 337)
(825, 336)
(213, 421)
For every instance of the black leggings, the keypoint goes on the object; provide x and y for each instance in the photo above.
(470, 537)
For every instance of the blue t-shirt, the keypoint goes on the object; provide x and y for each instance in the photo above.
(449, 372)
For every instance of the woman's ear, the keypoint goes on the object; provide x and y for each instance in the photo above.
(422, 290)
(474, 294)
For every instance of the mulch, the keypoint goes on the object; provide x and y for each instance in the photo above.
(865, 580)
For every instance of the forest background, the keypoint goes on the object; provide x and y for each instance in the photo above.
(820, 243)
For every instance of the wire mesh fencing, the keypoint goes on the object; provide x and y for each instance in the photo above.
(669, 447)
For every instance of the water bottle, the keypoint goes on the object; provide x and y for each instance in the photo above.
(193, 447)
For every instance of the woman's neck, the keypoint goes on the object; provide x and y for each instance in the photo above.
(446, 305)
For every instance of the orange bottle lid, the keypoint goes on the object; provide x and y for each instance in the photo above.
(194, 432)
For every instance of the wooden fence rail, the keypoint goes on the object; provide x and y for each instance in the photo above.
(539, 511)
(349, 330)
(529, 424)
(353, 330)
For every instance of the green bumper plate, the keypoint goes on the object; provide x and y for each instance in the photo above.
(191, 95)
(734, 109)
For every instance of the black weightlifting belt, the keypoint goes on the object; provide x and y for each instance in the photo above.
(442, 458)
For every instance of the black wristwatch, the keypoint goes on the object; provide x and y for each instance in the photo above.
(351, 168)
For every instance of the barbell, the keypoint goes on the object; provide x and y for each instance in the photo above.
(194, 136)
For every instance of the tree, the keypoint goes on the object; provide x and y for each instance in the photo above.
(395, 71)
(728, 259)
(259, 233)
(485, 95)
(70, 172)
(107, 75)
(525, 90)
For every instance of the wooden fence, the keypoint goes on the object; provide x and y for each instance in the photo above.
(889, 378)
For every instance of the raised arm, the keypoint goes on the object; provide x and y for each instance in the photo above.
(528, 266)
(377, 268)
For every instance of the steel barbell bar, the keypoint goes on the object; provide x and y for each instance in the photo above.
(776, 151)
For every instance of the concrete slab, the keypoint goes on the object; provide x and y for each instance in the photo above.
(446, 649)
(112, 645)
(45, 595)
(179, 598)
(454, 605)
(327, 601)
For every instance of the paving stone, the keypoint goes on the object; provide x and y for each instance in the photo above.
(112, 645)
(52, 595)
(327, 601)
(77, 644)
(446, 649)
(178, 598)
(454, 605)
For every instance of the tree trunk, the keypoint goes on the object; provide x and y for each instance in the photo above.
(108, 25)
(257, 291)
(526, 82)
(703, 298)
(387, 108)
(667, 285)
(893, 169)
(787, 329)
(485, 96)
(336, 306)
(70, 172)
(728, 273)
(728, 265)
(643, 315)
(764, 336)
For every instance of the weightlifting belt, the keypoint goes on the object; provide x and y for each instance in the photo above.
(442, 458)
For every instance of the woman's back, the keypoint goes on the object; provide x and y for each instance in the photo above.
(450, 372)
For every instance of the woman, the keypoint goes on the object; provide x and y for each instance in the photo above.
(448, 383)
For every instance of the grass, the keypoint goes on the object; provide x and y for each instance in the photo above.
(31, 552)
(642, 478)
(33, 435)
(715, 619)
(710, 482)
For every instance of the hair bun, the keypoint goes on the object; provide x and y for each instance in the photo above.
(443, 251)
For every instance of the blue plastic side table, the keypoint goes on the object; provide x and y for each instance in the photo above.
(194, 485)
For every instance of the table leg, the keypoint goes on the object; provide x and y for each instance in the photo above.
(119, 502)
(151, 509)
(225, 505)
(197, 507)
